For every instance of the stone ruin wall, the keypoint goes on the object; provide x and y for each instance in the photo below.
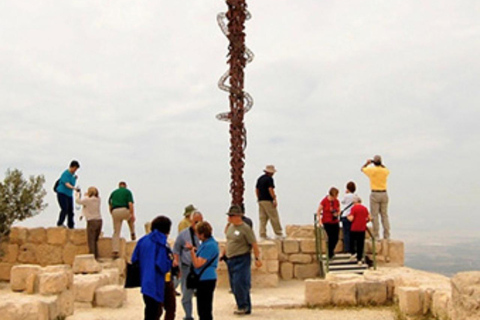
(292, 258)
(51, 246)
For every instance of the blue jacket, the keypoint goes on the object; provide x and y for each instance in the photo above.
(155, 261)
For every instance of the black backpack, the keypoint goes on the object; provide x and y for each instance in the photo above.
(55, 186)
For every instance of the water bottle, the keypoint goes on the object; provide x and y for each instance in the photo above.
(77, 206)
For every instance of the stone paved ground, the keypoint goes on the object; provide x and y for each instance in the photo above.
(284, 302)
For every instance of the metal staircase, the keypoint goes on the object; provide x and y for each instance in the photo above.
(341, 263)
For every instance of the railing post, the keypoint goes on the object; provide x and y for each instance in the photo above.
(318, 246)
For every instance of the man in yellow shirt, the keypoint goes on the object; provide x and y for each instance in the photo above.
(378, 174)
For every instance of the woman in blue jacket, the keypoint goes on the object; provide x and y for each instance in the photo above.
(205, 261)
(155, 262)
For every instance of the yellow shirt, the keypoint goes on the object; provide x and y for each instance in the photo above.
(184, 224)
(378, 177)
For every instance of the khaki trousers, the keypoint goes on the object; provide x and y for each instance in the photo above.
(379, 206)
(267, 211)
(94, 228)
(118, 215)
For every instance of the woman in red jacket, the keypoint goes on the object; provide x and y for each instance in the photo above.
(328, 212)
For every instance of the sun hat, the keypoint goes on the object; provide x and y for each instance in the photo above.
(235, 211)
(270, 168)
(189, 210)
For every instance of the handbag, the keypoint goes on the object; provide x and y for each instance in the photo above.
(132, 280)
(193, 279)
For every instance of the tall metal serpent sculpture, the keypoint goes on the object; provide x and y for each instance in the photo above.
(232, 24)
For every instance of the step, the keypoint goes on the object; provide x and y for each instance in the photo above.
(360, 271)
(348, 267)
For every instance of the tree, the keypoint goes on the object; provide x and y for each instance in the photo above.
(19, 199)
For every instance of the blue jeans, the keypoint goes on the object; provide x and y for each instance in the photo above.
(187, 294)
(240, 274)
(66, 210)
(346, 225)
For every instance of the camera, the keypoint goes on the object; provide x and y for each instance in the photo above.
(175, 271)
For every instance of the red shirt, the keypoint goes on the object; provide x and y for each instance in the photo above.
(360, 217)
(328, 207)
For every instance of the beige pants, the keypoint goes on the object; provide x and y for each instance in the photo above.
(267, 211)
(118, 215)
(379, 206)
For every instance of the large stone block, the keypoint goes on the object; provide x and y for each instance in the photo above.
(85, 286)
(62, 268)
(70, 251)
(291, 246)
(10, 252)
(47, 254)
(37, 235)
(272, 266)
(77, 236)
(86, 263)
(301, 258)
(298, 231)
(19, 274)
(441, 305)
(105, 248)
(396, 252)
(372, 275)
(306, 271)
(25, 308)
(410, 301)
(27, 254)
(31, 284)
(307, 246)
(52, 283)
(57, 235)
(264, 280)
(372, 293)
(113, 276)
(18, 235)
(317, 292)
(466, 295)
(344, 293)
(49, 307)
(268, 250)
(66, 303)
(5, 269)
(111, 296)
(286, 270)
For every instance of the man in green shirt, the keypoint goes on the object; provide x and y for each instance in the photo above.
(121, 208)
(240, 243)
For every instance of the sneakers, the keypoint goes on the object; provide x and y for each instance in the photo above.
(353, 257)
(266, 238)
(280, 237)
(241, 312)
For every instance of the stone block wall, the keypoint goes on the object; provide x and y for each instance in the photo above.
(297, 253)
(50, 246)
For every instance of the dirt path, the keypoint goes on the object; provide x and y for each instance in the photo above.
(284, 302)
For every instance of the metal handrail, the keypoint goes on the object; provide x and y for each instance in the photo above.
(319, 234)
(374, 250)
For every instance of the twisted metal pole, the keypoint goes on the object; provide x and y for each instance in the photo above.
(240, 101)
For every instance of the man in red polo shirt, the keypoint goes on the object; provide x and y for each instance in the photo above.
(359, 217)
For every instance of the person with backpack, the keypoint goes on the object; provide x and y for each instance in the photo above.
(64, 188)
(183, 259)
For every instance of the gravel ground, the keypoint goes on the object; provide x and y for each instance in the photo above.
(284, 302)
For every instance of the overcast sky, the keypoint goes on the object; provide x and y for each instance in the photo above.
(129, 88)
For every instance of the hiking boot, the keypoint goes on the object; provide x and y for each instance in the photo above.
(241, 312)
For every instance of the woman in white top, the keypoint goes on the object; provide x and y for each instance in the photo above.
(347, 203)
(91, 212)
